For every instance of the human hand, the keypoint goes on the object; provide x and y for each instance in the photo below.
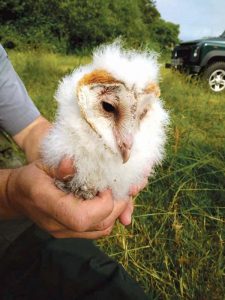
(66, 170)
(135, 189)
(31, 192)
(125, 217)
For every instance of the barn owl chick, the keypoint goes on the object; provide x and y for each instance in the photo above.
(110, 121)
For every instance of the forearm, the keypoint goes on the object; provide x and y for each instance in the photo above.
(5, 211)
(29, 139)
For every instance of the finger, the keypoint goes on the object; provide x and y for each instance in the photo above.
(135, 189)
(125, 216)
(47, 223)
(66, 169)
(86, 235)
(74, 213)
(71, 212)
(119, 207)
(95, 210)
(143, 184)
(58, 230)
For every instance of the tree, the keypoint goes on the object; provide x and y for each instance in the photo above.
(165, 33)
(70, 25)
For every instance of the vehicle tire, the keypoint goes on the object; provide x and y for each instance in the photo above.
(215, 76)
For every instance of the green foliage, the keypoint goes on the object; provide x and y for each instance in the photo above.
(175, 247)
(165, 33)
(69, 26)
(158, 30)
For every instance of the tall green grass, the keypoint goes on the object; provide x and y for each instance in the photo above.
(175, 247)
(41, 73)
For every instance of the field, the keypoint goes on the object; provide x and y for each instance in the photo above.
(175, 247)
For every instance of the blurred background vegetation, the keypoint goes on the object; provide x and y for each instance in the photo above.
(71, 26)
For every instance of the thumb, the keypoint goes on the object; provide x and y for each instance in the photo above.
(125, 217)
(64, 171)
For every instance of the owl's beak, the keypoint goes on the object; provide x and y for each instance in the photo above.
(125, 153)
(125, 144)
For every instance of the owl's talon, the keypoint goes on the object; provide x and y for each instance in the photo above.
(63, 186)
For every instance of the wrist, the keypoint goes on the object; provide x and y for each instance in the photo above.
(6, 210)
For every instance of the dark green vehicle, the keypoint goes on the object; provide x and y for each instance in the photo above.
(204, 57)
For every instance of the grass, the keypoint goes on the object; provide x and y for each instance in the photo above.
(175, 247)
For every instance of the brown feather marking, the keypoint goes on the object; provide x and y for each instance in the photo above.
(107, 90)
(133, 110)
(97, 76)
(143, 114)
(153, 88)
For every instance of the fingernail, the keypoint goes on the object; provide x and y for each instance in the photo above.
(128, 220)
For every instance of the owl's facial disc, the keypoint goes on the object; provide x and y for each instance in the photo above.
(117, 109)
(112, 110)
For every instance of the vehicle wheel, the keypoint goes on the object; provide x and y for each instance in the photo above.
(215, 75)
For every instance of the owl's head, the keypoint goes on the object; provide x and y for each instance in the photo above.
(114, 94)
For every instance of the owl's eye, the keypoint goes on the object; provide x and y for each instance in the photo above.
(108, 107)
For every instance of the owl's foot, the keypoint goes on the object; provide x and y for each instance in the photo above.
(83, 192)
(63, 186)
